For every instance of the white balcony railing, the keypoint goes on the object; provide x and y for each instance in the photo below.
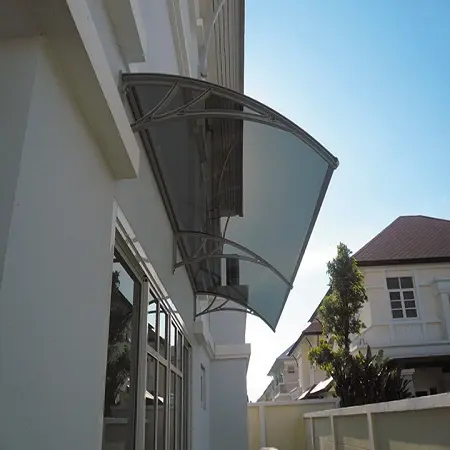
(403, 334)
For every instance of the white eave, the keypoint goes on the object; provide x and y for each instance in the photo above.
(75, 45)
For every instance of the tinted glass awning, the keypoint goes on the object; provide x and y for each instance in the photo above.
(242, 185)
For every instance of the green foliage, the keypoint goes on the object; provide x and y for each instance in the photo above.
(339, 311)
(359, 379)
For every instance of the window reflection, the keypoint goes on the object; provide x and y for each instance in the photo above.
(172, 409)
(166, 367)
(151, 404)
(163, 332)
(162, 407)
(173, 336)
(151, 322)
(120, 396)
(179, 349)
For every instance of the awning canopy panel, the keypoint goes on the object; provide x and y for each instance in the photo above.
(242, 185)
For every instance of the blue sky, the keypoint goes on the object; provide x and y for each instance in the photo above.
(370, 80)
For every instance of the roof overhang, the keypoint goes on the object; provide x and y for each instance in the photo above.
(404, 262)
(323, 386)
(242, 186)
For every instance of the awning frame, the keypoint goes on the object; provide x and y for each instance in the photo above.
(261, 113)
(195, 110)
(253, 257)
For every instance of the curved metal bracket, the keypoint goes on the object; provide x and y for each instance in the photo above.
(233, 256)
(258, 111)
(244, 308)
(182, 113)
(254, 257)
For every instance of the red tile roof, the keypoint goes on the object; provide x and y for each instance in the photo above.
(314, 328)
(408, 239)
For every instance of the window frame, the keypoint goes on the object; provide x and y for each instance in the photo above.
(402, 300)
(151, 289)
(165, 360)
(131, 267)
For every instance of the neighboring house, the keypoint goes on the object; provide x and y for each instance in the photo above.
(128, 261)
(310, 377)
(406, 272)
(284, 383)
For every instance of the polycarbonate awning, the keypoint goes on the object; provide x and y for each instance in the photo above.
(242, 185)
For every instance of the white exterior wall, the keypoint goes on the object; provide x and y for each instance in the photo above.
(57, 197)
(426, 335)
(307, 374)
(200, 416)
(228, 327)
(54, 297)
(21, 64)
(228, 404)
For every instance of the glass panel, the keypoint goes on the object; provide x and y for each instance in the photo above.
(265, 153)
(406, 282)
(303, 172)
(392, 283)
(397, 313)
(396, 305)
(179, 349)
(394, 295)
(120, 394)
(163, 332)
(151, 402)
(410, 304)
(179, 410)
(162, 397)
(173, 429)
(408, 295)
(173, 350)
(411, 313)
(151, 322)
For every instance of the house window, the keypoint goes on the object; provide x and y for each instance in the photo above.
(203, 386)
(232, 269)
(167, 387)
(120, 401)
(291, 369)
(148, 379)
(402, 297)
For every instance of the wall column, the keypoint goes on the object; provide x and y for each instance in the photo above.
(19, 62)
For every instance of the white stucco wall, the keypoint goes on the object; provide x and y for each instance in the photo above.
(228, 405)
(19, 64)
(54, 297)
(161, 53)
(200, 415)
(228, 327)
